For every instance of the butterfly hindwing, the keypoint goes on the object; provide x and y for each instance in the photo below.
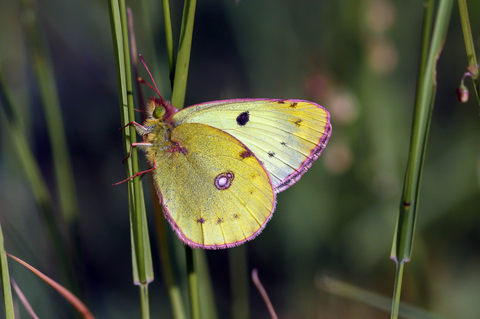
(285, 135)
(214, 191)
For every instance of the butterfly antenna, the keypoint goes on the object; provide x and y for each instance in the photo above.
(151, 77)
(141, 80)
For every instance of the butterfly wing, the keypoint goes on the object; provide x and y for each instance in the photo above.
(287, 136)
(215, 193)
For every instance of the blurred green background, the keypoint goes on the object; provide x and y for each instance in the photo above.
(357, 58)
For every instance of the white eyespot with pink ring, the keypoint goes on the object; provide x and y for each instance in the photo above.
(224, 180)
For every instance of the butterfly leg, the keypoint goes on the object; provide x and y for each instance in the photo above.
(131, 147)
(138, 174)
(142, 130)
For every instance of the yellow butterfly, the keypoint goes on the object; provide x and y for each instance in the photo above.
(217, 166)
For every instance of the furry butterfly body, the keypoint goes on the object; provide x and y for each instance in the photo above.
(217, 166)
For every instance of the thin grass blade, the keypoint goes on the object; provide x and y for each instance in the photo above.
(169, 39)
(406, 222)
(239, 281)
(401, 250)
(166, 261)
(7, 290)
(192, 276)
(183, 57)
(263, 292)
(23, 299)
(207, 295)
(71, 298)
(141, 244)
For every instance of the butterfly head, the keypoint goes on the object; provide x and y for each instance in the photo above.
(157, 109)
(160, 110)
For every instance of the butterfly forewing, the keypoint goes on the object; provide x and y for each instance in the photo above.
(285, 135)
(215, 192)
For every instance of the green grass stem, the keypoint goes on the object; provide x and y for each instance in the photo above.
(406, 222)
(205, 287)
(183, 57)
(426, 36)
(169, 39)
(239, 280)
(135, 183)
(401, 249)
(397, 289)
(7, 289)
(144, 300)
(467, 34)
(169, 276)
(141, 254)
(192, 283)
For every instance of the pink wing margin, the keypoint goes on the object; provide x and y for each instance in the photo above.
(195, 245)
(314, 155)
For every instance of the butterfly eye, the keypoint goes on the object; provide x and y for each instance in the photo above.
(158, 112)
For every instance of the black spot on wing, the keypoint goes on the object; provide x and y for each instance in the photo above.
(243, 118)
(298, 122)
(271, 154)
